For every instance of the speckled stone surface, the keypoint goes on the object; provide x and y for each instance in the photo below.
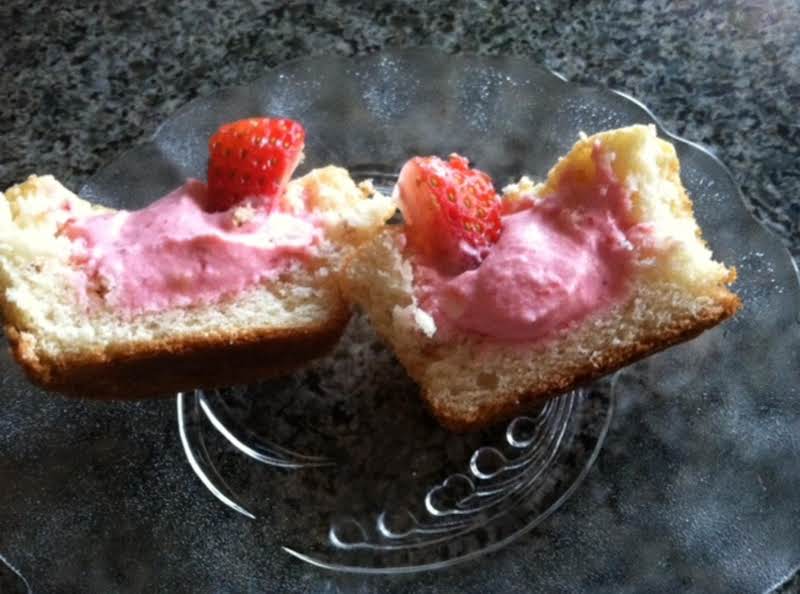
(78, 86)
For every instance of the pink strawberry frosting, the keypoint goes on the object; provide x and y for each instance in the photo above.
(561, 259)
(175, 253)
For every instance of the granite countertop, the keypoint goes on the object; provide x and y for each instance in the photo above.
(80, 85)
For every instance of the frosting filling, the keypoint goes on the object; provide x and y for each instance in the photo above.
(174, 253)
(559, 259)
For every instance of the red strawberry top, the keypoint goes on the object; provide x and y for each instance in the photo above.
(451, 211)
(252, 159)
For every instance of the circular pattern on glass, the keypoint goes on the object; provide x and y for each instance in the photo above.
(345, 448)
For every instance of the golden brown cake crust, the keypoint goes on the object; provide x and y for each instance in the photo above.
(506, 406)
(162, 368)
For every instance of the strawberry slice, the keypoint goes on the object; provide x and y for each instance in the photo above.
(451, 211)
(252, 158)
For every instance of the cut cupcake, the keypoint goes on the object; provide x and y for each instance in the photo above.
(493, 304)
(213, 284)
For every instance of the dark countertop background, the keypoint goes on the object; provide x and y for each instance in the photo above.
(79, 85)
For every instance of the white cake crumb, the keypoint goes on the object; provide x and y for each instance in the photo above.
(243, 215)
(367, 188)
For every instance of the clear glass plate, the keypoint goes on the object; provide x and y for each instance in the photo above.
(695, 487)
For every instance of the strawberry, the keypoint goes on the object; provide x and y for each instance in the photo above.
(451, 211)
(252, 158)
